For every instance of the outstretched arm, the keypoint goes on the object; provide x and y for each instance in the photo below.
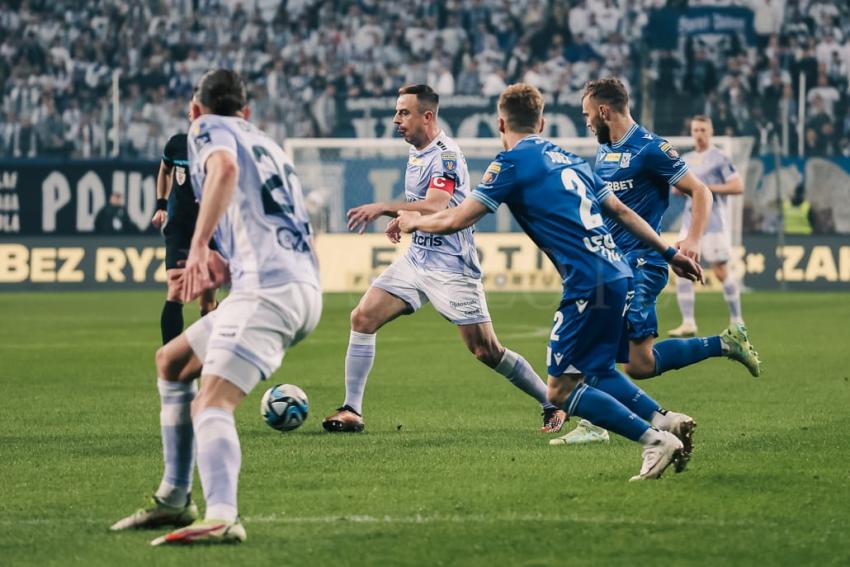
(447, 221)
(681, 264)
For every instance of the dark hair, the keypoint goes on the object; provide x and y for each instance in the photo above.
(427, 97)
(222, 91)
(522, 107)
(610, 91)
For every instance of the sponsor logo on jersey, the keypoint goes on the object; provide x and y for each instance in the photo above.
(491, 173)
(612, 157)
(449, 161)
(625, 160)
(620, 185)
(427, 239)
(415, 161)
(180, 175)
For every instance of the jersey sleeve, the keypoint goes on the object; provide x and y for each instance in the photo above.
(727, 169)
(496, 185)
(664, 161)
(207, 136)
(169, 153)
(600, 188)
(444, 172)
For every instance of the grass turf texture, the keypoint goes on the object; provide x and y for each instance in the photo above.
(451, 470)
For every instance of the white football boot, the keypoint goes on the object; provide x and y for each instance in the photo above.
(686, 329)
(658, 454)
(584, 433)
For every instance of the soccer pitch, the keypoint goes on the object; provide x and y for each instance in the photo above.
(451, 469)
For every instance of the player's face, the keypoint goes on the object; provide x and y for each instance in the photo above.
(594, 117)
(409, 121)
(701, 133)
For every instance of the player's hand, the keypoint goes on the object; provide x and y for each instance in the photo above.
(196, 277)
(407, 221)
(219, 269)
(360, 217)
(686, 267)
(690, 248)
(159, 219)
(393, 231)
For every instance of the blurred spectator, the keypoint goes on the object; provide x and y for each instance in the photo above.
(112, 218)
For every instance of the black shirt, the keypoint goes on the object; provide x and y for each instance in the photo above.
(183, 204)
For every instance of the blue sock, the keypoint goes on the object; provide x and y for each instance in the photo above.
(672, 354)
(626, 392)
(603, 410)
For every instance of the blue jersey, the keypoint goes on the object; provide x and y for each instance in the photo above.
(555, 198)
(639, 169)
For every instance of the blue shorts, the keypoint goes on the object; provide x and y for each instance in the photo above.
(588, 334)
(641, 320)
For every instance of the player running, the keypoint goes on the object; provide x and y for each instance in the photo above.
(718, 173)
(251, 198)
(640, 167)
(558, 201)
(176, 212)
(441, 269)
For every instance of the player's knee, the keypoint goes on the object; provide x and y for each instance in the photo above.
(557, 395)
(489, 353)
(362, 322)
(640, 370)
(166, 367)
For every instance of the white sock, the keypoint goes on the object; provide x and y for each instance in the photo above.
(650, 437)
(219, 461)
(732, 295)
(686, 297)
(358, 363)
(520, 373)
(178, 440)
(658, 420)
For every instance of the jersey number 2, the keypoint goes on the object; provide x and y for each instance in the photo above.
(572, 182)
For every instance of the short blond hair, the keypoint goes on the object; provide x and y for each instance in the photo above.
(521, 105)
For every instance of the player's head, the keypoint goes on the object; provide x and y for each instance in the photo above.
(221, 92)
(603, 101)
(416, 114)
(701, 131)
(520, 111)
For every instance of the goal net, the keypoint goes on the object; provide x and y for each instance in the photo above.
(338, 174)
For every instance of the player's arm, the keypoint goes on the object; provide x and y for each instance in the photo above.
(691, 186)
(222, 173)
(733, 185)
(163, 190)
(447, 221)
(436, 199)
(681, 264)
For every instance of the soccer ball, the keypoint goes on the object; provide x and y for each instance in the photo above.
(284, 407)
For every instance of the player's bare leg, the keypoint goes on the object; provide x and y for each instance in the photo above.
(641, 362)
(219, 461)
(376, 308)
(481, 340)
(660, 448)
(177, 368)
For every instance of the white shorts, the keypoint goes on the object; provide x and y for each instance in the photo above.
(715, 247)
(457, 297)
(245, 339)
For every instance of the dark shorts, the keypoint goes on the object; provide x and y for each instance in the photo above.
(178, 238)
(641, 319)
(587, 336)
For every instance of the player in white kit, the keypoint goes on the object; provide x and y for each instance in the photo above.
(441, 269)
(716, 170)
(251, 202)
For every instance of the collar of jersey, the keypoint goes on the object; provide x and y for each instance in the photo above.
(529, 137)
(625, 138)
(429, 147)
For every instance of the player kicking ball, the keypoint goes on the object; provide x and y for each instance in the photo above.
(176, 212)
(441, 269)
(251, 199)
(640, 168)
(558, 202)
(716, 170)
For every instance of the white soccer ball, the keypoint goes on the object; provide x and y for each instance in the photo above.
(284, 407)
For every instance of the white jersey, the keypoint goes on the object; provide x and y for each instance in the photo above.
(712, 167)
(441, 165)
(265, 233)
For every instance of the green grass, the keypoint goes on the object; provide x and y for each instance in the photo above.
(451, 470)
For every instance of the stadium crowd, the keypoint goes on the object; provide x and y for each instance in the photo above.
(304, 58)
